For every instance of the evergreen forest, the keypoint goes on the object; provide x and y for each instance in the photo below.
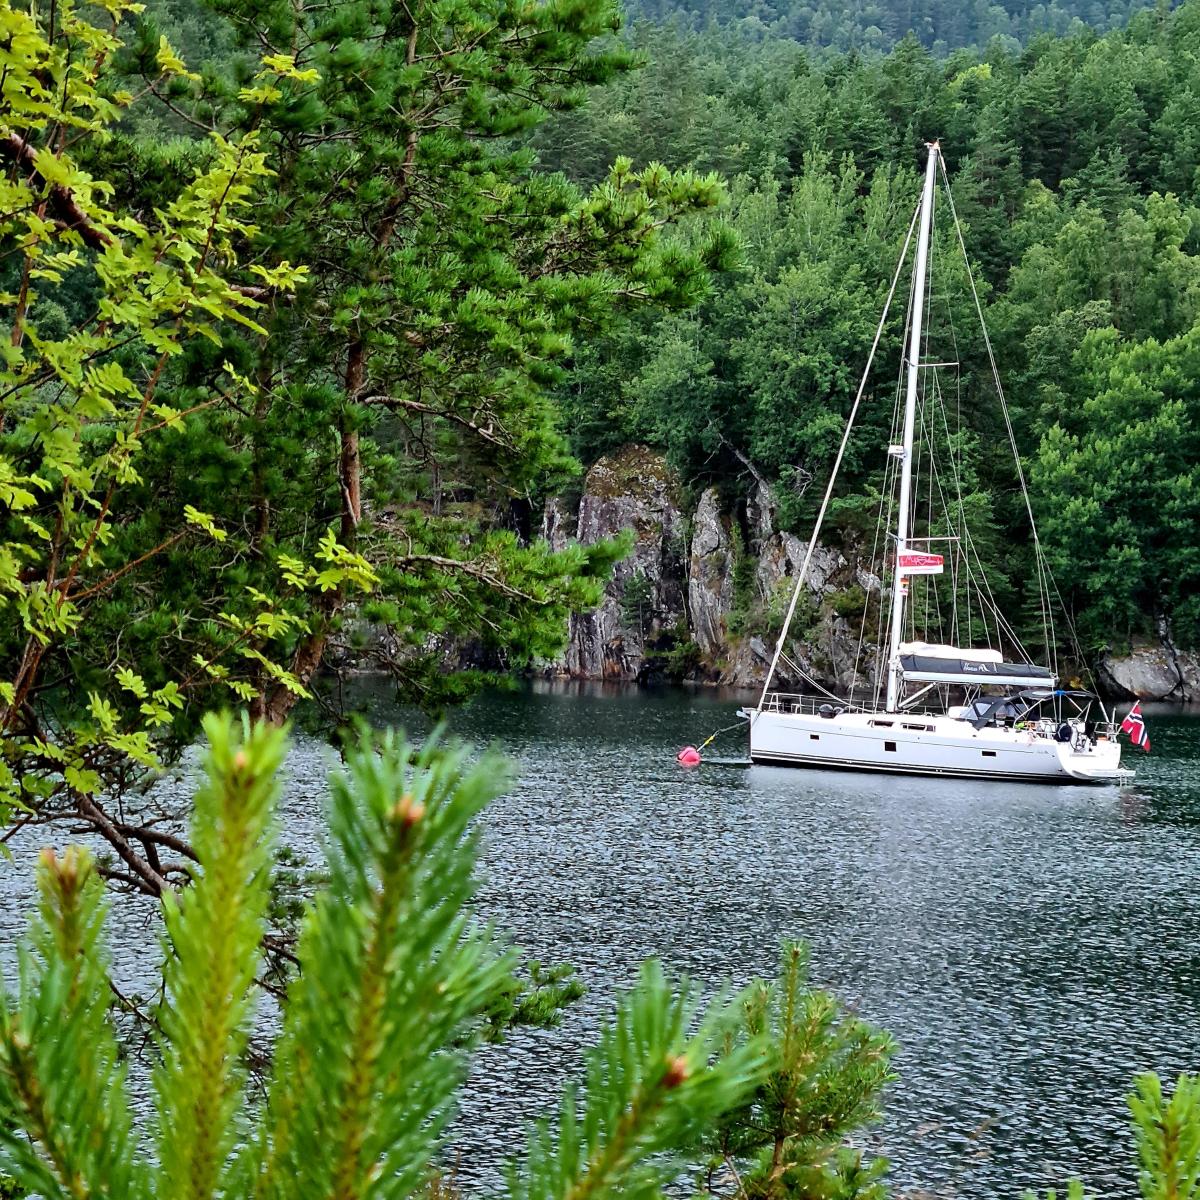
(1073, 163)
(309, 309)
(940, 25)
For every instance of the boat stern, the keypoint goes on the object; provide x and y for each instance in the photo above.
(1095, 762)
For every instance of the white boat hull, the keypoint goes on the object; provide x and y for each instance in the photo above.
(921, 744)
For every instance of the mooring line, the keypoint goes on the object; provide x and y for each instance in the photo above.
(690, 755)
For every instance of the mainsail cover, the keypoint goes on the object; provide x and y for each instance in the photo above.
(940, 650)
(928, 668)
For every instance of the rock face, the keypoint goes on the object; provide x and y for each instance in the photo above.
(673, 598)
(630, 490)
(558, 523)
(703, 595)
(1155, 671)
(823, 645)
(710, 576)
(782, 557)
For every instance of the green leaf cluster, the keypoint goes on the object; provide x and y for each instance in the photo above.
(82, 405)
(304, 300)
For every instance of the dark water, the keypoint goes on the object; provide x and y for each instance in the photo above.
(1030, 948)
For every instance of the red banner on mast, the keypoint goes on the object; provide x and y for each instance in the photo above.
(912, 562)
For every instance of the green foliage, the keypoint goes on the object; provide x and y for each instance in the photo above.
(83, 411)
(1168, 1137)
(407, 391)
(1119, 477)
(788, 1141)
(1167, 1133)
(1076, 173)
(640, 1112)
(744, 580)
(849, 602)
(875, 25)
(396, 982)
(1074, 1192)
(536, 998)
(637, 602)
(672, 654)
(303, 304)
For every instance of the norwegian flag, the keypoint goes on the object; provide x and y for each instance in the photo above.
(1136, 727)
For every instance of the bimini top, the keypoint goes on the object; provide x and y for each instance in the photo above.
(1015, 705)
(936, 668)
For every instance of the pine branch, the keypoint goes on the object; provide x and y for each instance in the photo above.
(650, 1091)
(215, 931)
(61, 1079)
(392, 976)
(1168, 1137)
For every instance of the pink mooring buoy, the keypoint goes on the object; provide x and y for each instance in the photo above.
(689, 756)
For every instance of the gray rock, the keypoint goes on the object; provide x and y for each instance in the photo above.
(558, 524)
(1152, 672)
(760, 514)
(710, 577)
(632, 489)
(782, 556)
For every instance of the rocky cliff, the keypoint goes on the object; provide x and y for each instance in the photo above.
(1152, 670)
(630, 490)
(703, 594)
(704, 591)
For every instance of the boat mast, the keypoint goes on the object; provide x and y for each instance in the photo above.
(910, 416)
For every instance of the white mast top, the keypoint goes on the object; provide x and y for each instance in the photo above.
(920, 270)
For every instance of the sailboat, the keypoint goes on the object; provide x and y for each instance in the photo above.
(936, 707)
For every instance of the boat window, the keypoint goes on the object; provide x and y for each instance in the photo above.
(881, 724)
(889, 745)
(921, 728)
(814, 737)
(989, 754)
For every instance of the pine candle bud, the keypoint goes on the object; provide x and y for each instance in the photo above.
(66, 870)
(240, 761)
(407, 811)
(677, 1071)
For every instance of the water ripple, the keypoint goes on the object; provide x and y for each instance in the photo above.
(1031, 948)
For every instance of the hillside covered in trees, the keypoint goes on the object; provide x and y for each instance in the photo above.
(311, 311)
(1074, 167)
(876, 25)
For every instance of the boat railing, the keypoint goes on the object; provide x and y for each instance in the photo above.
(797, 702)
(800, 703)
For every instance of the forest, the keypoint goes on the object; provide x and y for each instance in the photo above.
(1073, 165)
(303, 337)
(940, 25)
(309, 309)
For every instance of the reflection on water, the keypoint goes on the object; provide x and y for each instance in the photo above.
(1030, 947)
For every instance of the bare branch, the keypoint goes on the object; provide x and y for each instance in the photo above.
(483, 434)
(63, 206)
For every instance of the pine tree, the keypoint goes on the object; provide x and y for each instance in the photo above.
(789, 1141)
(395, 978)
(234, 444)
(403, 398)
